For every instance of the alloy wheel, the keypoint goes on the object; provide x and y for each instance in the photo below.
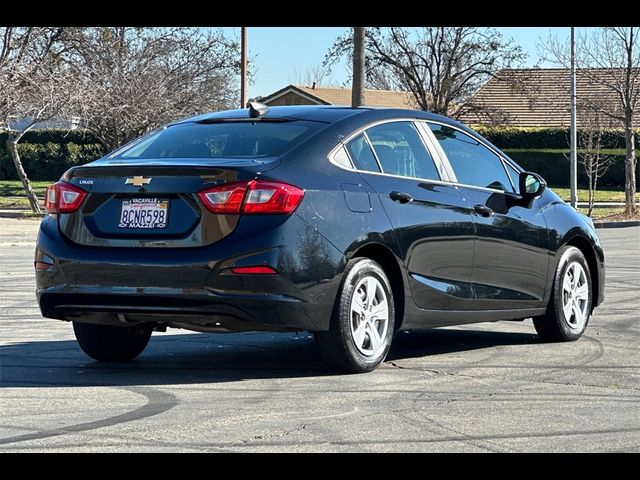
(369, 316)
(575, 296)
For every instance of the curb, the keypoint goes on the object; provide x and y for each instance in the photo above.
(620, 224)
(603, 204)
(19, 214)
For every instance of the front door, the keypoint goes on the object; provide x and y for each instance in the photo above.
(511, 249)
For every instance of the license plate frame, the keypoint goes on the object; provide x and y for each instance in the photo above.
(144, 213)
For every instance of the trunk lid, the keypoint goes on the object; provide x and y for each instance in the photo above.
(153, 202)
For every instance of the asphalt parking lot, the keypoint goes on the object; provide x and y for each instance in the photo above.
(487, 387)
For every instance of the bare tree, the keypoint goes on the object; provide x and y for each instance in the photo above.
(35, 86)
(137, 79)
(594, 162)
(441, 66)
(610, 58)
(316, 75)
(378, 79)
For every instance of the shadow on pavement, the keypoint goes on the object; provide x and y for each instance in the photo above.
(422, 343)
(211, 358)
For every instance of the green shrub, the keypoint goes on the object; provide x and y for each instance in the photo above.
(545, 151)
(554, 168)
(543, 138)
(46, 154)
(54, 136)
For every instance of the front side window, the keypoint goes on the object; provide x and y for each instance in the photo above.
(401, 151)
(514, 175)
(472, 162)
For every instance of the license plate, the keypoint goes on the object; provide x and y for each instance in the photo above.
(144, 213)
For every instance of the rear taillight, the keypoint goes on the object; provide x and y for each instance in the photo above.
(224, 198)
(62, 197)
(272, 197)
(254, 197)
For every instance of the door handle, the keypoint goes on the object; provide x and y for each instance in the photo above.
(483, 210)
(400, 197)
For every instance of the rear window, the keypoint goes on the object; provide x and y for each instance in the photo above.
(221, 140)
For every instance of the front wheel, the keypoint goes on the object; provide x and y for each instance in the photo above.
(569, 307)
(108, 343)
(362, 324)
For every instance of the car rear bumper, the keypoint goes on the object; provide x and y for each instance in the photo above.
(193, 287)
(198, 309)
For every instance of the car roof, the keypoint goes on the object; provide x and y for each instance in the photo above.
(325, 113)
(320, 113)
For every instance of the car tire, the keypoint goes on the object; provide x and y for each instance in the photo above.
(107, 343)
(570, 305)
(360, 334)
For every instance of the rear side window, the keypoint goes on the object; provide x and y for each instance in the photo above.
(341, 157)
(222, 140)
(472, 162)
(361, 154)
(401, 151)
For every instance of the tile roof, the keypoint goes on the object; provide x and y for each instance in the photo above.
(538, 97)
(342, 96)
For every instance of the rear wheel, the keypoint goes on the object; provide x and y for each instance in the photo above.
(362, 324)
(108, 343)
(569, 307)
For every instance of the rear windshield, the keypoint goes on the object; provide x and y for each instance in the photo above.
(221, 140)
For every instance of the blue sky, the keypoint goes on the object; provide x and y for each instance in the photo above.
(280, 52)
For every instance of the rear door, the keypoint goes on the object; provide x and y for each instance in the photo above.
(432, 225)
(511, 249)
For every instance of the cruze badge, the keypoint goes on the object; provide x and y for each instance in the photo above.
(137, 181)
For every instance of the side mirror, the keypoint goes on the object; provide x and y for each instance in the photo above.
(531, 185)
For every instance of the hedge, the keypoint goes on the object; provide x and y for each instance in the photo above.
(533, 145)
(47, 154)
(554, 168)
(54, 136)
(544, 138)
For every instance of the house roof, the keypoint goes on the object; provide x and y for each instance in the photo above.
(342, 96)
(537, 97)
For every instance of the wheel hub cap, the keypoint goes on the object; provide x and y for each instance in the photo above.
(575, 296)
(369, 316)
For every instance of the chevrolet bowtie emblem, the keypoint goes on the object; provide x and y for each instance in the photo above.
(138, 181)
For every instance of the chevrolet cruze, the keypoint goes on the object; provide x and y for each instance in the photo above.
(348, 223)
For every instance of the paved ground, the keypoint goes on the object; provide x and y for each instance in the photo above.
(489, 387)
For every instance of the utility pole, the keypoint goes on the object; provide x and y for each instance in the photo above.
(243, 67)
(574, 150)
(357, 87)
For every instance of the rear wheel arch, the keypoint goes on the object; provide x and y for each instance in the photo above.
(582, 244)
(389, 263)
(362, 321)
